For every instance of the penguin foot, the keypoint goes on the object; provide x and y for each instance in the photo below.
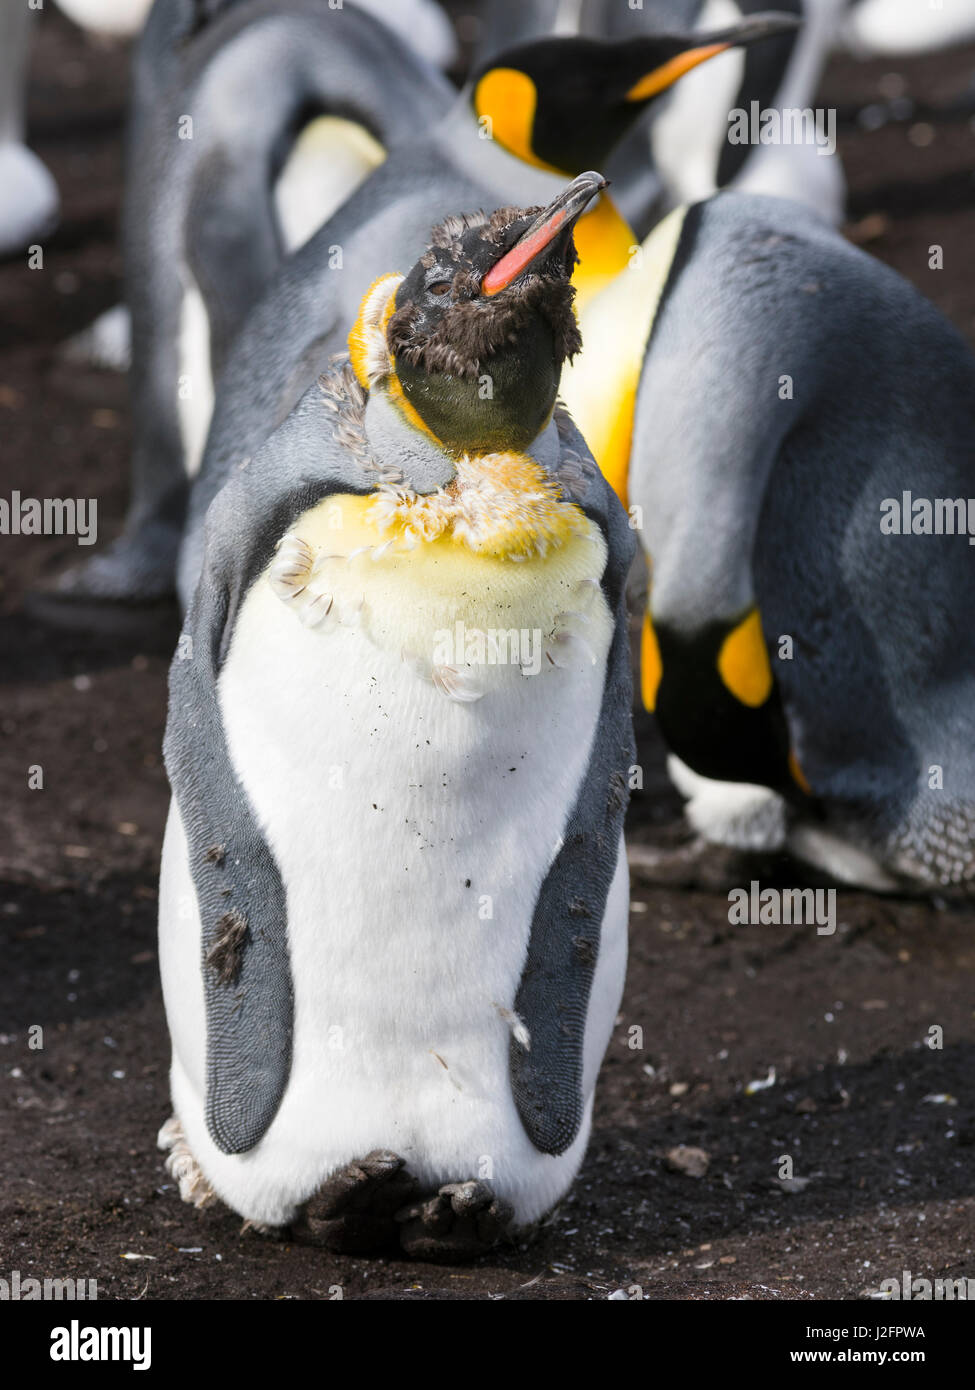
(461, 1221)
(740, 815)
(261, 1228)
(138, 567)
(695, 864)
(353, 1211)
(183, 1167)
(105, 344)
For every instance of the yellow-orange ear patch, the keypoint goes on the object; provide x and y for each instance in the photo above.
(743, 663)
(508, 99)
(651, 666)
(367, 341)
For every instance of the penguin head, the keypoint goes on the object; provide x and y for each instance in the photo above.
(563, 104)
(476, 333)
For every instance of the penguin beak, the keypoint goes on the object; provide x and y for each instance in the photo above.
(705, 46)
(556, 221)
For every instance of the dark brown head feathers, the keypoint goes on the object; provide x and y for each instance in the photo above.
(468, 329)
(473, 330)
(448, 235)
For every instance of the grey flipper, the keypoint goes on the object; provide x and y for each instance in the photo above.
(563, 948)
(199, 211)
(249, 1002)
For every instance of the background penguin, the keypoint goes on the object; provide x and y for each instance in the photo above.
(404, 869)
(421, 23)
(28, 193)
(119, 18)
(552, 108)
(680, 151)
(814, 676)
(895, 28)
(216, 111)
(330, 157)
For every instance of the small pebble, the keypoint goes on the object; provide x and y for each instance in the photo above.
(687, 1159)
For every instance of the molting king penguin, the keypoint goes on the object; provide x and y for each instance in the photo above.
(398, 740)
(529, 118)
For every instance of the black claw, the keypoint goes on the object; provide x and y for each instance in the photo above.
(353, 1210)
(463, 1220)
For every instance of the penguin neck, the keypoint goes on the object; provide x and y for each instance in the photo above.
(404, 449)
(404, 453)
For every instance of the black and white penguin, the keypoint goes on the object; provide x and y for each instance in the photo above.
(688, 146)
(201, 279)
(330, 157)
(394, 893)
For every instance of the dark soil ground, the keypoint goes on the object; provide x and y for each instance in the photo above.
(880, 1128)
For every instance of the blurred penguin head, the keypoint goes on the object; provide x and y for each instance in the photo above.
(564, 103)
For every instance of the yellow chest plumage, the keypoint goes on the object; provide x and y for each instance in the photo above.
(366, 562)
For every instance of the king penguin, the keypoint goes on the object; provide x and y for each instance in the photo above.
(233, 100)
(682, 150)
(28, 194)
(331, 156)
(394, 893)
(531, 117)
(811, 663)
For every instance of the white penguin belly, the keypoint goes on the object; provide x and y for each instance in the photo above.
(329, 160)
(412, 832)
(195, 394)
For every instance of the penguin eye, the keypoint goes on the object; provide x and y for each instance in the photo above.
(439, 287)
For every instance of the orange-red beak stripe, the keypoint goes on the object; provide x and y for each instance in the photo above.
(522, 254)
(667, 74)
